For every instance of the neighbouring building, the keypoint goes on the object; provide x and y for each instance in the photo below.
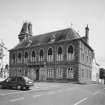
(58, 55)
(95, 71)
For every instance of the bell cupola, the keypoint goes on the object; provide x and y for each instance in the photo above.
(26, 31)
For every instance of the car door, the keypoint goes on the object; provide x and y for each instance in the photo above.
(12, 82)
(6, 83)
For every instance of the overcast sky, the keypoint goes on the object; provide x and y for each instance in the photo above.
(51, 15)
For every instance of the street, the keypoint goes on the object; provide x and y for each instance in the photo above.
(55, 94)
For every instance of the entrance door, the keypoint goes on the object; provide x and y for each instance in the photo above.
(37, 74)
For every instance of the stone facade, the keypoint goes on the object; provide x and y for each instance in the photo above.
(59, 55)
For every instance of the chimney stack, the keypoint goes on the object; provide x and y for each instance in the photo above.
(87, 33)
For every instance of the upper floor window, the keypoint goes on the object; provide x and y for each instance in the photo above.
(13, 58)
(50, 51)
(19, 57)
(70, 49)
(50, 55)
(59, 50)
(33, 58)
(41, 55)
(70, 53)
(33, 54)
(26, 55)
(59, 54)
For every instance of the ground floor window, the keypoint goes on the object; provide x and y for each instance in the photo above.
(70, 73)
(50, 73)
(59, 73)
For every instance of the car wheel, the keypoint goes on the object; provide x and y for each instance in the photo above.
(1, 86)
(27, 88)
(19, 87)
(23, 88)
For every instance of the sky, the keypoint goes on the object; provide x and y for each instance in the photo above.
(51, 15)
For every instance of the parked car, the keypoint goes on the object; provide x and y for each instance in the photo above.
(20, 83)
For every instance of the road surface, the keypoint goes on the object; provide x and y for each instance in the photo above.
(55, 94)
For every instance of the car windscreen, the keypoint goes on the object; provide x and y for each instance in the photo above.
(27, 79)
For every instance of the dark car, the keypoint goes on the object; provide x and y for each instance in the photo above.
(20, 83)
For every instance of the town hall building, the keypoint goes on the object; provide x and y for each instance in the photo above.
(55, 56)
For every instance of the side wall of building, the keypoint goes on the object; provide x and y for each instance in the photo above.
(85, 63)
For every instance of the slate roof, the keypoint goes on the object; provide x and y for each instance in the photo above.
(52, 37)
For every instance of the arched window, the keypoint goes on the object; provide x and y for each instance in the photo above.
(41, 53)
(70, 49)
(33, 54)
(50, 55)
(26, 55)
(50, 51)
(70, 73)
(19, 56)
(13, 58)
(59, 50)
(59, 54)
(70, 53)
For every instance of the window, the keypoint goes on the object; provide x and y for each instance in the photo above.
(59, 54)
(70, 73)
(33, 58)
(59, 50)
(13, 58)
(49, 55)
(33, 54)
(70, 53)
(59, 73)
(50, 73)
(82, 73)
(26, 57)
(70, 49)
(50, 51)
(19, 58)
(41, 55)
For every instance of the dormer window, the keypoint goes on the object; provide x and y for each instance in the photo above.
(53, 38)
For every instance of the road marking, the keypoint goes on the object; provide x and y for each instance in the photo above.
(97, 92)
(50, 93)
(35, 96)
(82, 100)
(17, 99)
(10, 93)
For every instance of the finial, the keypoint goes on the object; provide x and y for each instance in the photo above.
(71, 24)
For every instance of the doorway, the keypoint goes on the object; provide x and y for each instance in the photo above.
(37, 74)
